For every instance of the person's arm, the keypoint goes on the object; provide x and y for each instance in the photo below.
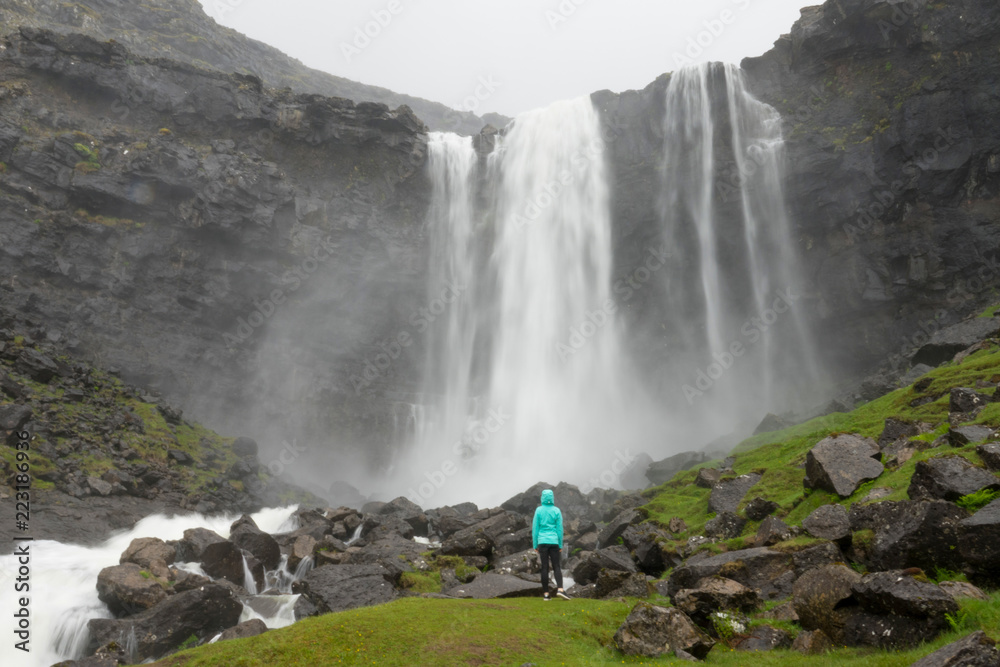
(534, 531)
(559, 529)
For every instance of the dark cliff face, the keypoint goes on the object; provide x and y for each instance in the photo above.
(892, 129)
(174, 223)
(181, 30)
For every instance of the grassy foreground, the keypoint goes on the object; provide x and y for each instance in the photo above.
(418, 631)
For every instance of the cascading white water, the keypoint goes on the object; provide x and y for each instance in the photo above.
(525, 368)
(64, 582)
(739, 345)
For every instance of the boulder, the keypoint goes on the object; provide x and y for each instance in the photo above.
(968, 435)
(191, 547)
(223, 560)
(13, 419)
(771, 531)
(610, 533)
(611, 558)
(898, 592)
(889, 631)
(764, 638)
(910, 533)
(128, 589)
(727, 495)
(202, 612)
(480, 538)
(961, 589)
(770, 422)
(409, 512)
(676, 525)
(664, 470)
(250, 628)
(979, 544)
(760, 568)
(244, 446)
(302, 548)
(494, 585)
(245, 534)
(990, 454)
(840, 464)
(975, 650)
(948, 342)
(818, 555)
(812, 642)
(949, 478)
(181, 457)
(652, 631)
(616, 584)
(38, 366)
(644, 542)
(758, 509)
(967, 400)
(896, 429)
(144, 550)
(829, 522)
(707, 477)
(822, 599)
(340, 587)
(568, 498)
(713, 594)
(524, 562)
(725, 526)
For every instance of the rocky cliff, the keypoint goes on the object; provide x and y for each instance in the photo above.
(181, 30)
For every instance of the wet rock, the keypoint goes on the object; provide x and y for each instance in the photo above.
(967, 435)
(99, 487)
(974, 650)
(192, 545)
(961, 589)
(966, 400)
(818, 555)
(911, 533)
(144, 550)
(727, 495)
(38, 366)
(609, 534)
(524, 562)
(979, 544)
(567, 496)
(812, 642)
(889, 631)
(223, 560)
(760, 568)
(765, 638)
(201, 612)
(822, 599)
(896, 429)
(250, 628)
(182, 458)
(13, 419)
(676, 525)
(713, 594)
(829, 522)
(771, 531)
(949, 478)
(480, 538)
(725, 526)
(612, 558)
(616, 584)
(840, 464)
(340, 587)
(494, 585)
(128, 589)
(898, 592)
(758, 509)
(948, 342)
(646, 544)
(990, 454)
(302, 548)
(245, 534)
(653, 631)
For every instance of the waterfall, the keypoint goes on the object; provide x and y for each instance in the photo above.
(734, 319)
(524, 374)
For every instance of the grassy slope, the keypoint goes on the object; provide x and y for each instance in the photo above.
(418, 631)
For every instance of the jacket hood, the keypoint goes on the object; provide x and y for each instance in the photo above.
(548, 498)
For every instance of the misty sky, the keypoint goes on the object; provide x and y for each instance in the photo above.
(516, 54)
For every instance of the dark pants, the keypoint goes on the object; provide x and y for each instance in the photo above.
(546, 553)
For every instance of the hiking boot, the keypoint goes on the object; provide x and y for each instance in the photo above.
(561, 593)
(545, 596)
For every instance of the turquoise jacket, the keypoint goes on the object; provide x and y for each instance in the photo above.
(547, 528)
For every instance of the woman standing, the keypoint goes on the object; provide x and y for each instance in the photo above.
(547, 540)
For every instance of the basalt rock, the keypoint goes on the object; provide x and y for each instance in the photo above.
(713, 594)
(840, 464)
(653, 631)
(910, 533)
(829, 522)
(979, 544)
(974, 650)
(128, 589)
(949, 478)
(823, 597)
(341, 587)
(760, 568)
(727, 495)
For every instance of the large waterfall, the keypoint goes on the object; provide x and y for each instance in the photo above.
(525, 373)
(737, 339)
